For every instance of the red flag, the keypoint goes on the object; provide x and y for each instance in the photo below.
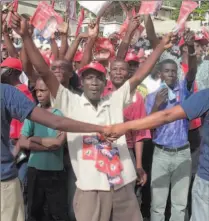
(186, 8)
(150, 7)
(80, 21)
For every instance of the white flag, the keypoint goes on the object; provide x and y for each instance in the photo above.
(96, 7)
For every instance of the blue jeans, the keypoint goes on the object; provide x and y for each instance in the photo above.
(200, 200)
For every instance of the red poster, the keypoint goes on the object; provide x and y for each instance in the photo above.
(45, 19)
(186, 8)
(149, 7)
(104, 44)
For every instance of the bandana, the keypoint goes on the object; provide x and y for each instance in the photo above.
(106, 157)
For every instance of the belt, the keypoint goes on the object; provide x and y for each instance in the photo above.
(186, 146)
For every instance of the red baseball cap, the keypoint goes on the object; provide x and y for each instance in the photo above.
(78, 56)
(201, 40)
(13, 63)
(131, 57)
(95, 66)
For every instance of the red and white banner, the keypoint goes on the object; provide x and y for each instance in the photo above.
(150, 7)
(14, 9)
(46, 20)
(187, 7)
(96, 7)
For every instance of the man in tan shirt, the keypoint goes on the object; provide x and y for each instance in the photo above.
(105, 173)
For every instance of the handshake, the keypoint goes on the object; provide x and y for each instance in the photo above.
(113, 132)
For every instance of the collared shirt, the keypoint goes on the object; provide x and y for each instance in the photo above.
(202, 76)
(175, 134)
(134, 111)
(109, 111)
(198, 106)
(14, 104)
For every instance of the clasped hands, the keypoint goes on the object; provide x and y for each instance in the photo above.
(113, 132)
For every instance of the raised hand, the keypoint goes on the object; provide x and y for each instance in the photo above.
(134, 23)
(19, 25)
(83, 35)
(189, 38)
(93, 30)
(169, 40)
(63, 28)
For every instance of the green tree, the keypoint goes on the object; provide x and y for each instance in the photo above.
(199, 13)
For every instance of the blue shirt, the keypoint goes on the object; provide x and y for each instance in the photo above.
(14, 104)
(198, 106)
(175, 134)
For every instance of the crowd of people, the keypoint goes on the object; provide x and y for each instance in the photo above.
(104, 128)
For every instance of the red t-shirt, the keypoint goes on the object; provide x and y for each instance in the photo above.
(135, 110)
(16, 125)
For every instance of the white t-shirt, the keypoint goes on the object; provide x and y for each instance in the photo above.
(109, 111)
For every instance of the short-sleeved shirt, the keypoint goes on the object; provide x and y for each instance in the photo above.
(135, 110)
(43, 160)
(14, 104)
(16, 125)
(198, 106)
(109, 111)
(202, 76)
(175, 134)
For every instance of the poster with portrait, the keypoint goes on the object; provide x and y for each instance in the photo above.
(46, 20)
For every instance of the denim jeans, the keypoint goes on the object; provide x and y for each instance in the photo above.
(200, 200)
(170, 168)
